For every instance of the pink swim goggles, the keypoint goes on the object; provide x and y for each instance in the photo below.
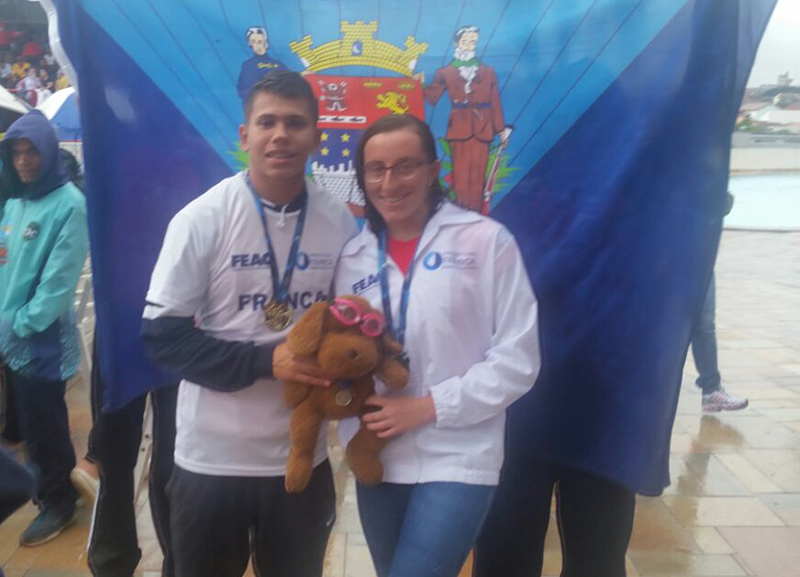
(348, 313)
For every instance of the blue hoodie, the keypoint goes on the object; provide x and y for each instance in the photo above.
(43, 245)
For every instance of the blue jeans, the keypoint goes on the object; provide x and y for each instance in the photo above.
(704, 344)
(422, 530)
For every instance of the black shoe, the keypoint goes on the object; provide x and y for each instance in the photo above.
(47, 525)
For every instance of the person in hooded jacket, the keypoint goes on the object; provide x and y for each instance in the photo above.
(44, 236)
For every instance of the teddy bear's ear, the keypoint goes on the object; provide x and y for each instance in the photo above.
(305, 337)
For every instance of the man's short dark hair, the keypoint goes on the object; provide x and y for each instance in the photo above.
(286, 84)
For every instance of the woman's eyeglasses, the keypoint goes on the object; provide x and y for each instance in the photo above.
(404, 170)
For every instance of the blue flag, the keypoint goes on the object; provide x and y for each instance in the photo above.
(598, 131)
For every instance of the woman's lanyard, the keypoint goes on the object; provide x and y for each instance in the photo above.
(280, 287)
(398, 331)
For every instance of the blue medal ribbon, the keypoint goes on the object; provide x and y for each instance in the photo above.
(280, 287)
(398, 331)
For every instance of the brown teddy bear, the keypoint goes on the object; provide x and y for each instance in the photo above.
(349, 341)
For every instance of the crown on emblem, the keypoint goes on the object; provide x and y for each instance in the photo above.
(357, 47)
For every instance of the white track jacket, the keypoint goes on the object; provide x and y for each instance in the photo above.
(471, 338)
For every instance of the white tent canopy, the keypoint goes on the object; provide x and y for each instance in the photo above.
(10, 102)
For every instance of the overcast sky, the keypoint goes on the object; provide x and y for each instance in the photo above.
(780, 49)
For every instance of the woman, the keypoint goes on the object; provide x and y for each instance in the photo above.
(455, 293)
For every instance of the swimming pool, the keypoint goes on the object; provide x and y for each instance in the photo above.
(765, 202)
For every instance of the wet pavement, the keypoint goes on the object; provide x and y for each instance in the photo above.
(733, 508)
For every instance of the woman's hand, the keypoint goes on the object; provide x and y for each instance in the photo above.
(287, 366)
(397, 415)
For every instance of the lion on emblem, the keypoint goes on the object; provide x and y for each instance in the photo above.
(394, 101)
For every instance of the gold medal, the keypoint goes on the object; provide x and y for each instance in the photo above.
(343, 398)
(278, 315)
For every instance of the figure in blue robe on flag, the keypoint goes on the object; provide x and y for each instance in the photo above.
(255, 67)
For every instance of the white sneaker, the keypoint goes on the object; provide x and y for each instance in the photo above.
(84, 478)
(722, 400)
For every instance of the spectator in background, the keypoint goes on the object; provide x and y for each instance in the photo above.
(20, 69)
(61, 81)
(50, 62)
(704, 351)
(46, 85)
(41, 64)
(44, 227)
(32, 50)
(27, 87)
(6, 70)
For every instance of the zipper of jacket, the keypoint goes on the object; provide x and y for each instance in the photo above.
(22, 216)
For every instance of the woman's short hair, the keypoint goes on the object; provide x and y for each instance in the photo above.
(392, 123)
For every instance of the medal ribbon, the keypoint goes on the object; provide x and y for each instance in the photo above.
(399, 331)
(280, 287)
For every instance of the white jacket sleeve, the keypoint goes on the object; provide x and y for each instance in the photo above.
(512, 362)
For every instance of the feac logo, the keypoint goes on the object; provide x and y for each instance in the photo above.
(250, 260)
(365, 284)
(302, 261)
(432, 260)
(314, 261)
(451, 260)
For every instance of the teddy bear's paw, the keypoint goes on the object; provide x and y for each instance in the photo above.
(298, 475)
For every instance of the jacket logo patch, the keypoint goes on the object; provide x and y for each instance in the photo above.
(452, 260)
(365, 283)
(31, 231)
(314, 261)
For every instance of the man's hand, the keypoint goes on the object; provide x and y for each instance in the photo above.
(287, 366)
(398, 414)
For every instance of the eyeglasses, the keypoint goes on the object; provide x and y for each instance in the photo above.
(404, 170)
(347, 312)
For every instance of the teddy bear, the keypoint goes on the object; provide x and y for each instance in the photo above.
(349, 340)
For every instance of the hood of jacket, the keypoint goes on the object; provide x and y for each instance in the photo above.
(35, 127)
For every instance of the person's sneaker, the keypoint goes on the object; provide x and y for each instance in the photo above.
(722, 400)
(47, 525)
(86, 478)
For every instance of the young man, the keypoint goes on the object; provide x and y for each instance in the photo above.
(238, 266)
(44, 238)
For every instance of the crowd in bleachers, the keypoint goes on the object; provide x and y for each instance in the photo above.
(27, 66)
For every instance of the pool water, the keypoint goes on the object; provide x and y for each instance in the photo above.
(765, 202)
